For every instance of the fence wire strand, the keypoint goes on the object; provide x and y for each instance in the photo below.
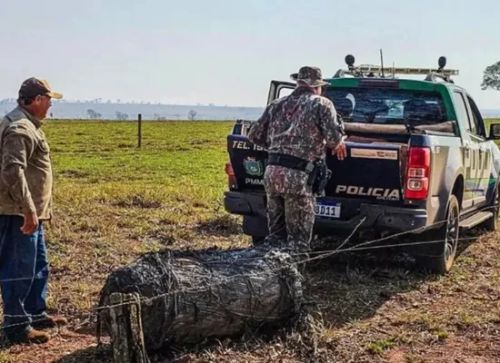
(363, 246)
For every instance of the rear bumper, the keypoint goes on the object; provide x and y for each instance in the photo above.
(377, 217)
(247, 204)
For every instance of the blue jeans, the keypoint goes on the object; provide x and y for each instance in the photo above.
(24, 272)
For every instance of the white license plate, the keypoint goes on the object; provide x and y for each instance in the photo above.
(327, 210)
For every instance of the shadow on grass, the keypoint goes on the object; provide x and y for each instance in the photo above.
(89, 355)
(352, 286)
(222, 225)
(137, 201)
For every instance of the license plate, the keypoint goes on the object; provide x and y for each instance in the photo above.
(327, 210)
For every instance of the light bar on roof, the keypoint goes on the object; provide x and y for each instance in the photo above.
(367, 68)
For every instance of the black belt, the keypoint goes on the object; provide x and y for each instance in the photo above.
(291, 162)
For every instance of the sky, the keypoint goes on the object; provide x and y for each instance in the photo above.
(226, 52)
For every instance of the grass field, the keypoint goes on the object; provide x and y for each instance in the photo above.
(114, 202)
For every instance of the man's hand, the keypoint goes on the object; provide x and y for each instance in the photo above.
(30, 223)
(340, 151)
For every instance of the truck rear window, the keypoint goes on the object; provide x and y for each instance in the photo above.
(388, 106)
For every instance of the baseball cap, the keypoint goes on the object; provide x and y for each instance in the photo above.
(33, 87)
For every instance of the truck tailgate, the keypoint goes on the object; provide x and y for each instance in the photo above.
(248, 162)
(372, 172)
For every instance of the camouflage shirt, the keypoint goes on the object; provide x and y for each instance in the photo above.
(301, 124)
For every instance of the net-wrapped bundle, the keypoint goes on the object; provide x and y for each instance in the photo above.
(187, 297)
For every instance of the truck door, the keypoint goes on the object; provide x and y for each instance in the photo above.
(470, 150)
(279, 89)
(484, 157)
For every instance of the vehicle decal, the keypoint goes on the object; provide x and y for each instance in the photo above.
(379, 193)
(253, 167)
(245, 145)
(254, 181)
(374, 154)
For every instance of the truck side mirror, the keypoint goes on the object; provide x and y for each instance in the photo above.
(494, 132)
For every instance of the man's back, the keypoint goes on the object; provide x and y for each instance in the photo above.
(295, 130)
(299, 125)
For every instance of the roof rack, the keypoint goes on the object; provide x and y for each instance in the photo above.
(367, 70)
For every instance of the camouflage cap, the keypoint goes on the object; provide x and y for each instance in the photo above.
(309, 75)
(33, 87)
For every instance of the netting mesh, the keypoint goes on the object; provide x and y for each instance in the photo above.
(191, 296)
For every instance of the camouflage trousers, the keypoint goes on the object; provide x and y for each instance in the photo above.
(290, 220)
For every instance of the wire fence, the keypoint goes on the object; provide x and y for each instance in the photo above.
(307, 257)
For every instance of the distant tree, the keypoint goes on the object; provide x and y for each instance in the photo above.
(491, 77)
(93, 115)
(159, 117)
(121, 116)
(192, 114)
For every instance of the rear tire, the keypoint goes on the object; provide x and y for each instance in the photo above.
(442, 262)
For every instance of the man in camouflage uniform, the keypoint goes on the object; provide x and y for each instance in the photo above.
(296, 130)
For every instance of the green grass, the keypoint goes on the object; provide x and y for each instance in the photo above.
(379, 346)
(114, 201)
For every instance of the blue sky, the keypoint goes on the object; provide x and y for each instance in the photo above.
(226, 52)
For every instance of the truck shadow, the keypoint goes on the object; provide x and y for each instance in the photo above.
(352, 286)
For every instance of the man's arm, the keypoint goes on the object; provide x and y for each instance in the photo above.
(16, 149)
(259, 129)
(332, 129)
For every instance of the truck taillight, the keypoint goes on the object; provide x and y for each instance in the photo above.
(231, 177)
(417, 173)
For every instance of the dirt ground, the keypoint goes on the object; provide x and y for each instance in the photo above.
(364, 308)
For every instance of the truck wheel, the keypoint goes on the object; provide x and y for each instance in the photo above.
(449, 234)
(492, 223)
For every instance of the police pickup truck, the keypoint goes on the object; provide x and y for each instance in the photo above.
(419, 160)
